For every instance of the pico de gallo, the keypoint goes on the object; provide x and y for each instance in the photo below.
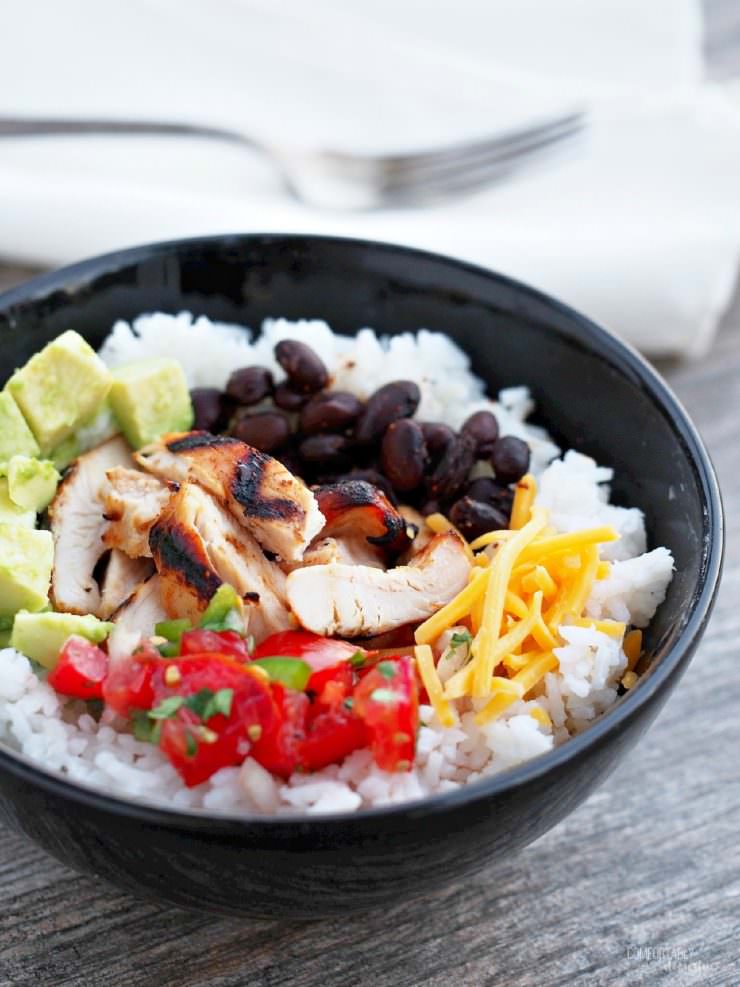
(209, 698)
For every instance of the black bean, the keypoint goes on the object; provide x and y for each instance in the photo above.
(305, 369)
(286, 398)
(403, 454)
(437, 436)
(399, 399)
(485, 488)
(208, 406)
(249, 385)
(483, 428)
(332, 411)
(266, 430)
(473, 518)
(327, 450)
(510, 459)
(452, 471)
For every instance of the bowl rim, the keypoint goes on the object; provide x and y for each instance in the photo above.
(621, 355)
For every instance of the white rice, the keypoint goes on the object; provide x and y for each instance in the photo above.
(575, 490)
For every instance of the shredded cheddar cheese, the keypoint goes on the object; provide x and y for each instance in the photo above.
(633, 648)
(526, 489)
(428, 673)
(525, 584)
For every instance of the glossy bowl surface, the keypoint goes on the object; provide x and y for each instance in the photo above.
(593, 392)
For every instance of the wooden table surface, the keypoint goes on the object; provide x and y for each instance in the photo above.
(641, 885)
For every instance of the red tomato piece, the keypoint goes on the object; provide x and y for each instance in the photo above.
(331, 737)
(217, 642)
(319, 652)
(80, 670)
(128, 685)
(278, 749)
(331, 686)
(199, 747)
(387, 700)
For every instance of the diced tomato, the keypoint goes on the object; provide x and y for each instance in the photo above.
(220, 642)
(387, 700)
(199, 747)
(278, 749)
(331, 737)
(331, 686)
(128, 685)
(319, 652)
(80, 670)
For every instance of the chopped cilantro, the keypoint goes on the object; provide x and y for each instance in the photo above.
(358, 659)
(191, 744)
(459, 638)
(167, 708)
(224, 612)
(348, 703)
(387, 669)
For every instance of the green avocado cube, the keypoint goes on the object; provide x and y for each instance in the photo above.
(32, 483)
(10, 512)
(59, 388)
(15, 435)
(41, 636)
(26, 560)
(150, 398)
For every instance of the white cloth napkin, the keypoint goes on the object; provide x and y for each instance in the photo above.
(638, 225)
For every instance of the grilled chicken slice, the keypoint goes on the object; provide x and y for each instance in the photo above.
(132, 502)
(355, 507)
(347, 549)
(141, 611)
(77, 524)
(423, 536)
(122, 576)
(350, 601)
(197, 546)
(276, 507)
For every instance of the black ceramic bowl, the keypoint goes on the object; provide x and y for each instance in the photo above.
(594, 393)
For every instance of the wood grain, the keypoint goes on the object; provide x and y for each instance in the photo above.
(639, 886)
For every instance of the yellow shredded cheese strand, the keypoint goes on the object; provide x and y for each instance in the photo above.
(632, 648)
(526, 491)
(507, 687)
(572, 599)
(527, 678)
(482, 541)
(603, 570)
(453, 611)
(439, 525)
(539, 714)
(560, 544)
(500, 569)
(516, 605)
(461, 682)
(614, 628)
(629, 679)
(544, 637)
(428, 672)
(540, 578)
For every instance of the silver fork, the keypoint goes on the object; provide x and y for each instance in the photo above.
(344, 180)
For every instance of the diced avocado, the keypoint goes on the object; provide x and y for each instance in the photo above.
(15, 435)
(59, 388)
(63, 454)
(26, 560)
(149, 398)
(10, 512)
(41, 636)
(32, 483)
(4, 639)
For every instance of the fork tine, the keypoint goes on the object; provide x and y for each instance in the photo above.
(443, 184)
(504, 144)
(496, 157)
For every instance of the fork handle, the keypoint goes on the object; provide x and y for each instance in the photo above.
(58, 126)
